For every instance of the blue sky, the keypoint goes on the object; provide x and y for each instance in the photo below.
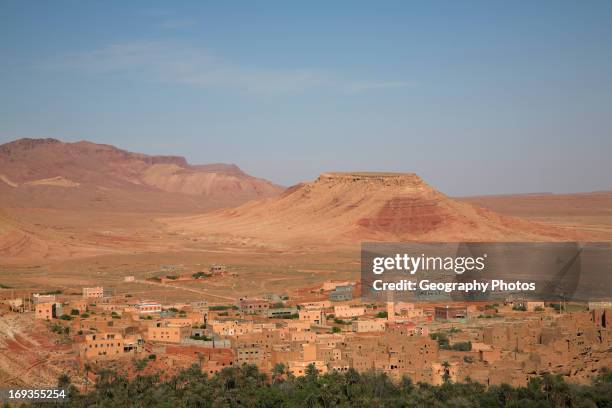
(476, 97)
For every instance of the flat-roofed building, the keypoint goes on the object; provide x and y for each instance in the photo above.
(341, 293)
(48, 310)
(282, 312)
(254, 306)
(231, 327)
(168, 333)
(321, 304)
(449, 313)
(312, 316)
(110, 345)
(333, 284)
(44, 298)
(93, 292)
(78, 304)
(600, 305)
(364, 326)
(147, 306)
(344, 311)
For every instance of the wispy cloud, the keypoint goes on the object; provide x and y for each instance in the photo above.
(175, 63)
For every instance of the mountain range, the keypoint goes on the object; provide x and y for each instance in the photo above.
(63, 200)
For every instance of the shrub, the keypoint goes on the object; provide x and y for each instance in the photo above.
(442, 339)
(462, 346)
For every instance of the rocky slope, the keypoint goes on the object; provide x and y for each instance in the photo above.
(353, 207)
(48, 171)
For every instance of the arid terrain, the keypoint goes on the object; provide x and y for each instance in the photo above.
(343, 208)
(77, 213)
(590, 213)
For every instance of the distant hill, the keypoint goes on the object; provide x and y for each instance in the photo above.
(50, 173)
(354, 207)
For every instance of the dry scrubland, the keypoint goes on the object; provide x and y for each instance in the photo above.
(81, 215)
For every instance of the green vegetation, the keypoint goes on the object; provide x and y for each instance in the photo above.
(65, 317)
(223, 307)
(462, 346)
(172, 277)
(336, 329)
(115, 315)
(538, 309)
(520, 308)
(442, 339)
(382, 315)
(52, 292)
(140, 364)
(75, 312)
(247, 387)
(200, 275)
(340, 321)
(290, 316)
(202, 338)
(56, 328)
(3, 286)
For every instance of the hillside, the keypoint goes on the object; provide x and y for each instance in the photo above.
(353, 207)
(50, 173)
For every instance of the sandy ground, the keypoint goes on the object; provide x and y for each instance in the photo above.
(85, 248)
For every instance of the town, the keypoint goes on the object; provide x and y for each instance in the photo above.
(326, 327)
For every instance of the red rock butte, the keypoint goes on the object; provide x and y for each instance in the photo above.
(358, 206)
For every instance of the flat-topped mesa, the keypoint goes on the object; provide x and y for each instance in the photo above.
(387, 179)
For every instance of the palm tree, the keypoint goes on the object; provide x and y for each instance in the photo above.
(311, 371)
(87, 368)
(446, 376)
(277, 372)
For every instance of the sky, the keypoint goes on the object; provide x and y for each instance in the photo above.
(477, 97)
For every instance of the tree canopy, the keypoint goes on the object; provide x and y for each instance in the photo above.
(246, 386)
